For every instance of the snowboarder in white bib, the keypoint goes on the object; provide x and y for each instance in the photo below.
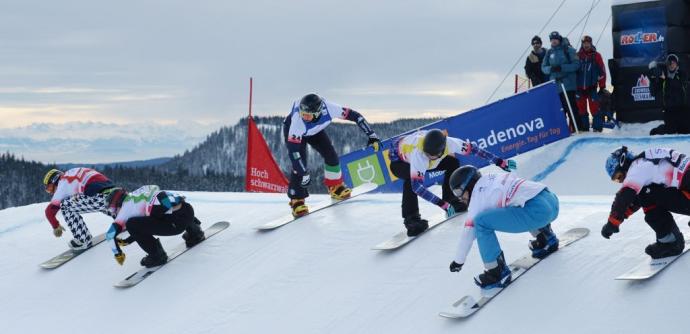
(305, 125)
(146, 212)
(415, 154)
(502, 202)
(655, 180)
(76, 191)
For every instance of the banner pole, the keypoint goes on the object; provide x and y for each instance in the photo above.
(570, 108)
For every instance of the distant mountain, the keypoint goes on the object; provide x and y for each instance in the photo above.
(96, 142)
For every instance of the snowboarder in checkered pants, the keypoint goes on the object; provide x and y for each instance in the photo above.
(76, 191)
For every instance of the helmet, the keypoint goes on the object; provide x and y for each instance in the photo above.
(586, 38)
(311, 104)
(463, 180)
(619, 161)
(52, 177)
(114, 198)
(555, 35)
(434, 142)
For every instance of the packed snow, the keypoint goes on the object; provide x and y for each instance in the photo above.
(319, 275)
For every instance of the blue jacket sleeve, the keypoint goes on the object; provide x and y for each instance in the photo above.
(362, 123)
(423, 192)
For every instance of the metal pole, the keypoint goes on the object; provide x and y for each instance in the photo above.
(570, 108)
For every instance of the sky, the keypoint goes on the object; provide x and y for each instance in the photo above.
(187, 64)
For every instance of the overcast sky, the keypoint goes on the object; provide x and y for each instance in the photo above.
(177, 61)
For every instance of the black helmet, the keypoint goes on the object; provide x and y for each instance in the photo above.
(463, 180)
(555, 35)
(434, 142)
(311, 104)
(114, 198)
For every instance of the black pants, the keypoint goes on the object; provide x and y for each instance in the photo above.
(319, 142)
(573, 104)
(677, 120)
(658, 203)
(410, 203)
(142, 229)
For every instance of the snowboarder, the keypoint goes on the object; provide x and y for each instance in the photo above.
(146, 212)
(304, 125)
(655, 180)
(413, 155)
(76, 191)
(507, 203)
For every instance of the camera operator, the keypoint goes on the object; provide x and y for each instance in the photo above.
(672, 85)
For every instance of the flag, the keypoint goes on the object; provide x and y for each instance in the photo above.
(263, 174)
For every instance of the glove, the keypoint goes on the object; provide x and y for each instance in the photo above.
(125, 242)
(305, 180)
(120, 258)
(450, 211)
(113, 231)
(608, 230)
(375, 143)
(57, 232)
(506, 165)
(556, 68)
(455, 267)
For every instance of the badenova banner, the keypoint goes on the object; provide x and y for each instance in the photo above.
(514, 125)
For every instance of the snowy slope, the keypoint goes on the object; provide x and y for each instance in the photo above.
(320, 276)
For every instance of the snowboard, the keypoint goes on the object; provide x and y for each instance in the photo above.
(284, 220)
(650, 267)
(401, 239)
(69, 254)
(178, 250)
(467, 305)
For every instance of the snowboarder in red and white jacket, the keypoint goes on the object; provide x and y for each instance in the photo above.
(656, 180)
(76, 191)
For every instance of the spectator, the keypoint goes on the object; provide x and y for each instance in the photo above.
(671, 83)
(561, 64)
(592, 73)
(534, 61)
(606, 109)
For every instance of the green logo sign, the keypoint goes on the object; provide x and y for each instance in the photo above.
(366, 170)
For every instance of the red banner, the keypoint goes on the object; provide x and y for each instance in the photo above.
(263, 174)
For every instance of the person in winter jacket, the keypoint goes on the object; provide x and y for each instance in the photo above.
(561, 64)
(305, 125)
(590, 76)
(534, 61)
(657, 181)
(671, 83)
(76, 191)
(145, 213)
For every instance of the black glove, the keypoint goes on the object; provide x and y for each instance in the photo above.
(608, 230)
(375, 143)
(455, 267)
(556, 68)
(124, 242)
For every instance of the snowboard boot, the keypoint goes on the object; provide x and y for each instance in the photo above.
(545, 243)
(156, 258)
(497, 277)
(415, 225)
(77, 245)
(194, 235)
(299, 209)
(661, 249)
(339, 192)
